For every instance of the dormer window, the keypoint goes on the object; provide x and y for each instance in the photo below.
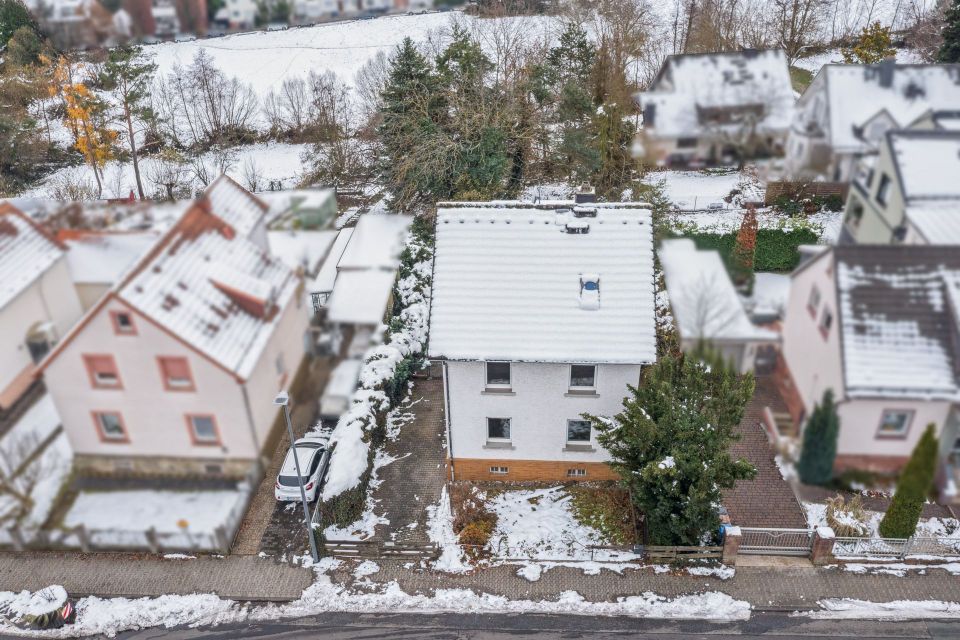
(589, 291)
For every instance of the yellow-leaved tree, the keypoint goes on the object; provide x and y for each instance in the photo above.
(86, 114)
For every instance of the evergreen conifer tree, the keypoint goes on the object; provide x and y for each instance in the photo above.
(900, 520)
(671, 444)
(950, 49)
(820, 442)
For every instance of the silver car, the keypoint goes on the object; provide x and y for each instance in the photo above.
(314, 457)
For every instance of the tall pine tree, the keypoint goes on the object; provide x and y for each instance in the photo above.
(671, 444)
(128, 75)
(950, 49)
(820, 442)
(916, 479)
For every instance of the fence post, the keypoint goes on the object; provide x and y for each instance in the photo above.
(152, 541)
(821, 547)
(220, 536)
(731, 544)
(907, 547)
(83, 538)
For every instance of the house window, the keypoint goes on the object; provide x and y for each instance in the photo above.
(176, 374)
(883, 191)
(576, 473)
(280, 364)
(110, 426)
(123, 323)
(498, 374)
(583, 376)
(498, 428)
(894, 423)
(203, 429)
(686, 143)
(102, 370)
(578, 431)
(499, 471)
(826, 321)
(855, 214)
(813, 301)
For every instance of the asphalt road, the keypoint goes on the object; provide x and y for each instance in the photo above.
(346, 626)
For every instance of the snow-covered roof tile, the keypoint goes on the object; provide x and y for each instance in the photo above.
(895, 318)
(377, 242)
(327, 276)
(214, 289)
(937, 221)
(857, 92)
(704, 302)
(360, 297)
(509, 284)
(235, 205)
(928, 163)
(26, 252)
(103, 258)
(692, 89)
(301, 249)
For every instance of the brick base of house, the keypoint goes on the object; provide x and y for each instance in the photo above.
(875, 464)
(93, 465)
(787, 389)
(529, 470)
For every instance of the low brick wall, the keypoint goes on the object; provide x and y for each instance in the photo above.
(804, 190)
(156, 466)
(529, 470)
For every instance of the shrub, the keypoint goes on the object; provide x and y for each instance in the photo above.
(900, 520)
(820, 442)
(776, 249)
(606, 509)
(847, 519)
(476, 533)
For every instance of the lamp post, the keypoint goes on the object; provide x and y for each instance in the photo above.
(283, 400)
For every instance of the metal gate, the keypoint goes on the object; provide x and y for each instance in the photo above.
(775, 542)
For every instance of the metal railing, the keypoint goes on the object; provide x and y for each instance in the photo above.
(940, 547)
(775, 542)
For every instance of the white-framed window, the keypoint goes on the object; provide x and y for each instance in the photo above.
(499, 471)
(576, 472)
(498, 428)
(498, 374)
(203, 429)
(895, 423)
(578, 431)
(583, 376)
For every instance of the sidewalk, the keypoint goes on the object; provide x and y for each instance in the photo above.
(764, 587)
(137, 575)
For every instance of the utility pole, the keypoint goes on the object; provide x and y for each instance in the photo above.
(283, 400)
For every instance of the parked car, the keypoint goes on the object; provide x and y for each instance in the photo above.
(314, 457)
(343, 382)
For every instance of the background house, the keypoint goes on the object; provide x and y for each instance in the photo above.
(715, 108)
(174, 370)
(538, 316)
(908, 192)
(38, 304)
(706, 306)
(847, 109)
(878, 325)
(98, 259)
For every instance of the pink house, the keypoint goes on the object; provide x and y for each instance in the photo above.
(174, 370)
(879, 326)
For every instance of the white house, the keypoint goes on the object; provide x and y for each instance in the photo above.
(706, 306)
(98, 259)
(708, 108)
(878, 325)
(847, 109)
(38, 304)
(909, 192)
(174, 370)
(538, 316)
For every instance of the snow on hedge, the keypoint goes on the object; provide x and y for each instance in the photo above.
(349, 459)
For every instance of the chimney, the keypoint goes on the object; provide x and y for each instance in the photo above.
(886, 69)
(584, 194)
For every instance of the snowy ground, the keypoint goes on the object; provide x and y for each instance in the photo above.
(184, 519)
(696, 189)
(52, 468)
(771, 291)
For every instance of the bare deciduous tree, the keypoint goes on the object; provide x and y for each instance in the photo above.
(169, 173)
(252, 173)
(23, 466)
(288, 110)
(797, 25)
(209, 166)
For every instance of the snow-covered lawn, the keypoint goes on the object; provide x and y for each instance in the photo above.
(185, 519)
(696, 189)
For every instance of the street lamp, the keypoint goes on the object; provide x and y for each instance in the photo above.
(283, 400)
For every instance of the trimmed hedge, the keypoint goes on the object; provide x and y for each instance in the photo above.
(776, 248)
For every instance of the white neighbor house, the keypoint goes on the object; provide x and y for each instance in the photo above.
(538, 316)
(174, 370)
(847, 109)
(38, 304)
(701, 107)
(909, 192)
(877, 324)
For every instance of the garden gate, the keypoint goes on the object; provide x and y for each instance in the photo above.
(775, 542)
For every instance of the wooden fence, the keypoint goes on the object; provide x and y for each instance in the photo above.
(799, 190)
(378, 549)
(656, 553)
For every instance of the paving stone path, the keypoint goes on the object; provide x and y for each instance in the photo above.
(415, 478)
(135, 575)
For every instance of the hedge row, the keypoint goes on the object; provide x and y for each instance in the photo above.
(777, 249)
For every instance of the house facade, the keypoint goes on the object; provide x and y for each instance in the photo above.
(538, 316)
(847, 109)
(715, 108)
(38, 304)
(878, 326)
(907, 192)
(173, 372)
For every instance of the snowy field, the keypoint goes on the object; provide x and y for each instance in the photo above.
(695, 189)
